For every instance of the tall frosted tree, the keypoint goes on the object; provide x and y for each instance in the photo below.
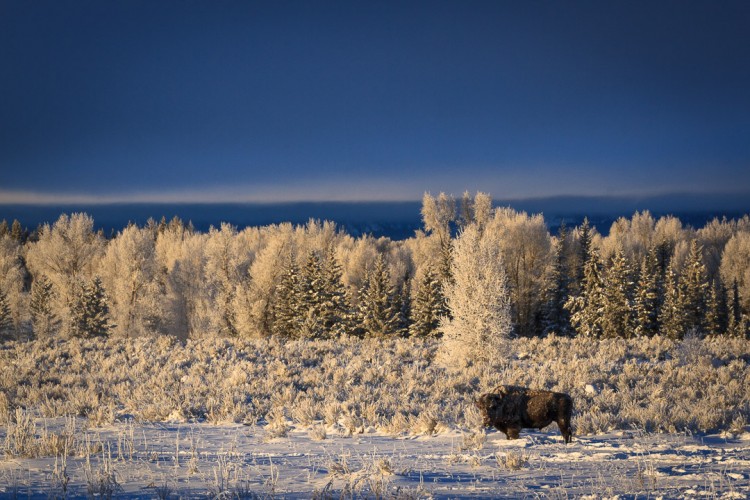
(67, 252)
(287, 306)
(695, 288)
(12, 275)
(334, 306)
(617, 318)
(438, 214)
(672, 313)
(378, 311)
(528, 256)
(586, 309)
(556, 316)
(6, 320)
(479, 301)
(428, 306)
(44, 321)
(584, 250)
(130, 274)
(647, 298)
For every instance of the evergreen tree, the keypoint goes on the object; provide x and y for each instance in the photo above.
(584, 251)
(4, 229)
(556, 316)
(403, 305)
(735, 321)
(672, 314)
(695, 289)
(43, 318)
(647, 300)
(617, 320)
(6, 320)
(428, 306)
(716, 311)
(586, 308)
(378, 315)
(334, 309)
(287, 315)
(90, 312)
(17, 232)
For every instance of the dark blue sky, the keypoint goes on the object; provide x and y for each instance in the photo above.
(235, 101)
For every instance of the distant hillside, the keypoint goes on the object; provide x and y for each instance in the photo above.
(396, 220)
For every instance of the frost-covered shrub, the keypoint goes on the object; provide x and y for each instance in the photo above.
(395, 386)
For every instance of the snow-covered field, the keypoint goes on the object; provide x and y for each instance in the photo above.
(376, 418)
(170, 460)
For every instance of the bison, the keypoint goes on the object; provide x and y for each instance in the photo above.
(510, 408)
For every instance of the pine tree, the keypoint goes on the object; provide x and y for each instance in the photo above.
(6, 320)
(287, 317)
(556, 316)
(695, 289)
(403, 305)
(4, 228)
(90, 312)
(617, 320)
(17, 232)
(378, 315)
(716, 314)
(43, 318)
(586, 309)
(735, 325)
(428, 306)
(584, 251)
(334, 309)
(672, 314)
(647, 298)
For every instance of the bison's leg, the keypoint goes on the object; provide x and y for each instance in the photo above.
(563, 420)
(513, 432)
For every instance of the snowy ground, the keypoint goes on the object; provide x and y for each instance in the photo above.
(235, 461)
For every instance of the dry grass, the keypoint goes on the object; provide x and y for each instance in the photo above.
(654, 384)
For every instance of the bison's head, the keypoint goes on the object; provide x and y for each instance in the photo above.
(488, 405)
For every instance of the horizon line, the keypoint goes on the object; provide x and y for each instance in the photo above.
(29, 198)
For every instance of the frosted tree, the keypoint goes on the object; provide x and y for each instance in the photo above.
(228, 258)
(428, 306)
(377, 311)
(715, 322)
(4, 228)
(90, 311)
(617, 319)
(556, 317)
(528, 256)
(647, 297)
(586, 309)
(438, 215)
(6, 320)
(288, 314)
(255, 301)
(43, 319)
(334, 306)
(67, 252)
(479, 301)
(12, 275)
(735, 323)
(695, 288)
(672, 313)
(130, 274)
(17, 232)
(584, 250)
(735, 268)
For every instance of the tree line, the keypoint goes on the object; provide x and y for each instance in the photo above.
(494, 272)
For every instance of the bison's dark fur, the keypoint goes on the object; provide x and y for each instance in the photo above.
(510, 408)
